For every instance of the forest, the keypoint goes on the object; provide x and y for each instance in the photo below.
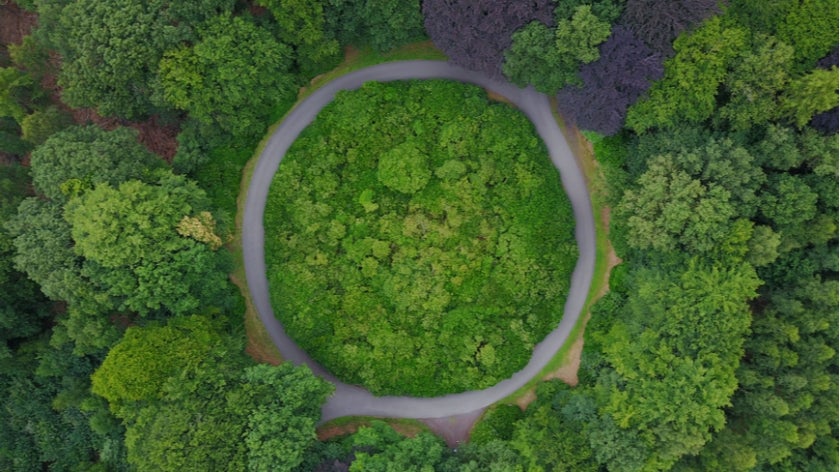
(418, 239)
(124, 129)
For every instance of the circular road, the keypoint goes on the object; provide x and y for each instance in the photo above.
(350, 400)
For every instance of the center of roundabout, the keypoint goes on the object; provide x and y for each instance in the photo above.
(409, 183)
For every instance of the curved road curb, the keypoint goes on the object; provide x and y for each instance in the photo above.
(350, 400)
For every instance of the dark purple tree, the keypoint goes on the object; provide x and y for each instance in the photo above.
(611, 84)
(659, 22)
(475, 33)
(827, 122)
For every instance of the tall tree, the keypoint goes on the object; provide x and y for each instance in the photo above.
(475, 34)
(689, 90)
(234, 77)
(659, 22)
(111, 49)
(550, 59)
(380, 24)
(78, 158)
(133, 252)
(302, 25)
(811, 94)
(623, 72)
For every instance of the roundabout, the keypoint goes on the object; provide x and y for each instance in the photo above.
(350, 400)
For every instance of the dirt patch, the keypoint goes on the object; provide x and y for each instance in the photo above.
(15, 23)
(496, 97)
(329, 431)
(455, 430)
(259, 346)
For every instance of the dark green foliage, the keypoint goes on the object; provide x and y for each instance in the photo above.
(788, 385)
(302, 25)
(191, 400)
(79, 158)
(22, 306)
(111, 49)
(232, 78)
(119, 236)
(413, 222)
(380, 24)
(40, 125)
(379, 448)
(47, 418)
(497, 423)
(549, 58)
(549, 437)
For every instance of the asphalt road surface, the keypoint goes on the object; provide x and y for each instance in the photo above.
(350, 400)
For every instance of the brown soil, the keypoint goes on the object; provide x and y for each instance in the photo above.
(15, 23)
(495, 97)
(455, 430)
(330, 431)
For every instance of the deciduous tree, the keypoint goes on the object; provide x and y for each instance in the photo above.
(233, 77)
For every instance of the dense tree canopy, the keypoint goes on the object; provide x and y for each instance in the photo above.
(688, 91)
(549, 58)
(475, 34)
(233, 77)
(423, 241)
(623, 72)
(302, 25)
(81, 157)
(718, 185)
(659, 22)
(190, 399)
(111, 49)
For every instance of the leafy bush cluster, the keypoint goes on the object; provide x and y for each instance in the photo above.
(418, 240)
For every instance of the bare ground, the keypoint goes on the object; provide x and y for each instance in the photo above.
(330, 431)
(15, 23)
(455, 430)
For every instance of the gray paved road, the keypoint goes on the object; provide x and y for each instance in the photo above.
(350, 400)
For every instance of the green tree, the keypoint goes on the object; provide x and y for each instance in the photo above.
(78, 158)
(404, 169)
(137, 368)
(302, 25)
(133, 252)
(672, 209)
(549, 437)
(111, 49)
(380, 24)
(755, 82)
(673, 358)
(42, 124)
(234, 77)
(689, 90)
(811, 94)
(550, 59)
(811, 27)
(190, 399)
